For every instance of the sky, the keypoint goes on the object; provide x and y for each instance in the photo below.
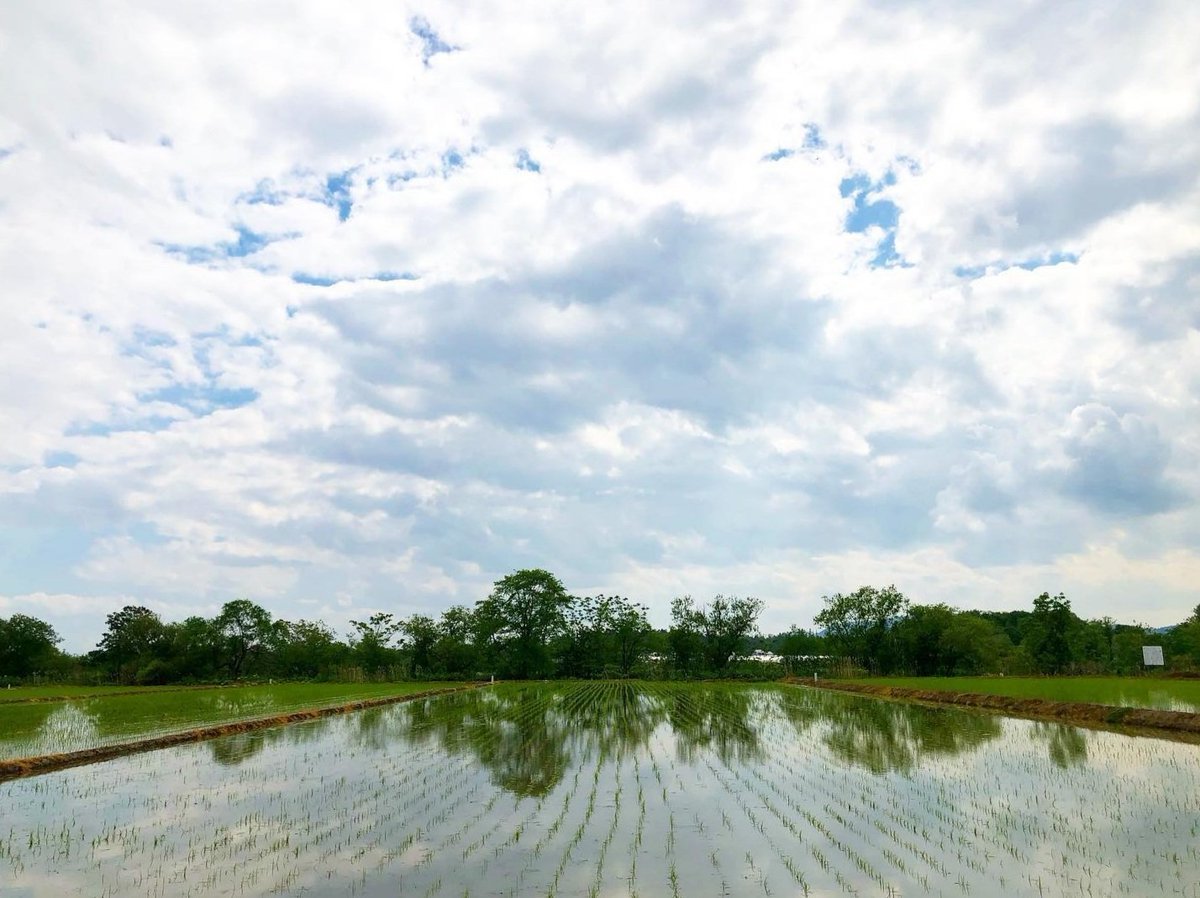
(347, 308)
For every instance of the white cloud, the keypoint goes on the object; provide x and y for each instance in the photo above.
(593, 304)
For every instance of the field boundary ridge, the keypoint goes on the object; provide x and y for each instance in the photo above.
(1085, 713)
(15, 768)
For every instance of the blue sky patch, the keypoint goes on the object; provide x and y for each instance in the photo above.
(337, 193)
(264, 193)
(431, 42)
(1054, 258)
(314, 280)
(247, 244)
(886, 254)
(201, 398)
(525, 162)
(867, 212)
(60, 459)
(395, 276)
(451, 160)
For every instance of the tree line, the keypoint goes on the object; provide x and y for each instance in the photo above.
(528, 627)
(881, 632)
(531, 627)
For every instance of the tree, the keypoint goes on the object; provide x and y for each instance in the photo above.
(603, 636)
(797, 641)
(859, 624)
(27, 646)
(305, 648)
(685, 638)
(524, 611)
(246, 630)
(1047, 631)
(629, 632)
(373, 646)
(135, 637)
(420, 636)
(455, 648)
(710, 635)
(726, 623)
(195, 649)
(1183, 642)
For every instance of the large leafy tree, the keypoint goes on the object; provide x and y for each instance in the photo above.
(726, 623)
(420, 637)
(686, 638)
(305, 648)
(134, 639)
(605, 636)
(27, 646)
(708, 636)
(523, 613)
(455, 650)
(373, 641)
(1048, 631)
(246, 630)
(859, 624)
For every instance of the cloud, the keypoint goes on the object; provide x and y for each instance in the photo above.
(363, 311)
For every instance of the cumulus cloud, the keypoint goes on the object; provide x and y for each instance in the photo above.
(364, 310)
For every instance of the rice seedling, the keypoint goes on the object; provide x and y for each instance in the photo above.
(605, 789)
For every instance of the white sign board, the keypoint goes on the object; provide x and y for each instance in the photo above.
(1152, 655)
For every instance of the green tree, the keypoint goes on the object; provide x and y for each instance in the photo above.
(420, 638)
(706, 637)
(372, 641)
(305, 648)
(195, 649)
(685, 639)
(27, 646)
(1183, 643)
(455, 649)
(629, 632)
(246, 631)
(135, 638)
(523, 613)
(726, 623)
(799, 642)
(859, 625)
(1047, 633)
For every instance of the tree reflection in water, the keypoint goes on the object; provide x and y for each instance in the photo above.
(716, 717)
(527, 736)
(884, 735)
(1068, 745)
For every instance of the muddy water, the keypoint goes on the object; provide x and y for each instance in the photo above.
(619, 789)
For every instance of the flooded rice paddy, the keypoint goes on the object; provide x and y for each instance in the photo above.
(607, 789)
(48, 727)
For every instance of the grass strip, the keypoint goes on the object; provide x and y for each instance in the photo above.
(1146, 720)
(31, 766)
(103, 692)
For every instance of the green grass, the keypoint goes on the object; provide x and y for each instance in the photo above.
(32, 728)
(48, 693)
(1133, 692)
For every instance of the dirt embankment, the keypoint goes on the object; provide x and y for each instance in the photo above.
(1083, 713)
(18, 767)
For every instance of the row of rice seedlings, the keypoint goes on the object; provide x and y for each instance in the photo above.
(112, 719)
(959, 798)
(225, 842)
(435, 799)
